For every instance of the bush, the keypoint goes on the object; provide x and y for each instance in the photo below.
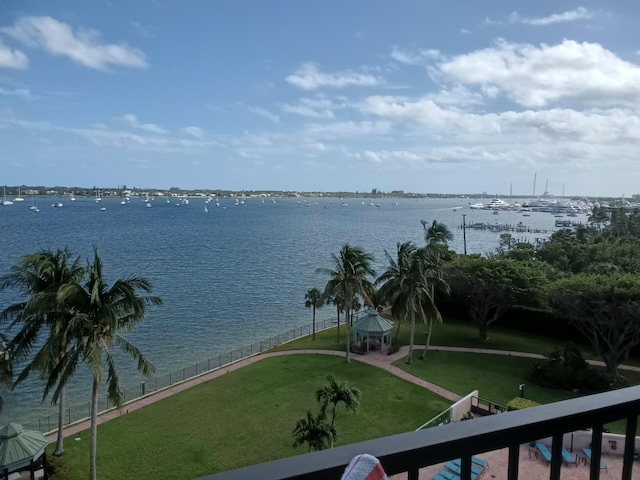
(564, 368)
(519, 403)
(57, 468)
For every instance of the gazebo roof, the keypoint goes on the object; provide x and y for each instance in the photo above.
(372, 323)
(18, 447)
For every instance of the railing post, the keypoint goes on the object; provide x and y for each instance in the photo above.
(142, 389)
(465, 467)
(629, 447)
(556, 456)
(514, 459)
(596, 452)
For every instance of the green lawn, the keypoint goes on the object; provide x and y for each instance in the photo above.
(247, 417)
(496, 377)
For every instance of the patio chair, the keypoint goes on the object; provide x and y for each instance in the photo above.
(587, 453)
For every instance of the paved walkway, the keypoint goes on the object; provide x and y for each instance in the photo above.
(375, 359)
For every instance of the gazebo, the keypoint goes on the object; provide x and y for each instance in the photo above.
(20, 448)
(372, 328)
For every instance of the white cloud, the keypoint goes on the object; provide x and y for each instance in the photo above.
(419, 58)
(465, 31)
(579, 13)
(132, 121)
(308, 77)
(12, 58)
(195, 132)
(538, 76)
(18, 92)
(313, 107)
(263, 112)
(83, 46)
(143, 30)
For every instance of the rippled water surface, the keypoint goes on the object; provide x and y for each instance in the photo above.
(229, 276)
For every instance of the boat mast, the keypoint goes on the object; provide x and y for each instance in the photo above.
(535, 177)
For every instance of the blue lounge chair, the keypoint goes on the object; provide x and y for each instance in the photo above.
(587, 453)
(475, 471)
(544, 451)
(568, 458)
(446, 475)
(475, 462)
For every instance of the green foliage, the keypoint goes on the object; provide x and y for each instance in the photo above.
(57, 468)
(564, 368)
(488, 286)
(313, 431)
(605, 309)
(519, 403)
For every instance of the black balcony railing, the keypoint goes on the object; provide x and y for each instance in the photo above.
(408, 452)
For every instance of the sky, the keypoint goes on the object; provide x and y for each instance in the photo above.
(334, 95)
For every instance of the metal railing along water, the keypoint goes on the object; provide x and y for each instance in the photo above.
(82, 411)
(408, 452)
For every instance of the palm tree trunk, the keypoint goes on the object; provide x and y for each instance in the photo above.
(60, 436)
(426, 345)
(94, 430)
(314, 322)
(338, 309)
(413, 332)
(348, 330)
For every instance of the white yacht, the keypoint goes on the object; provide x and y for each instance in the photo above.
(497, 204)
(477, 206)
(18, 198)
(4, 197)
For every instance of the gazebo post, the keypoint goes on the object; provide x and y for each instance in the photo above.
(31, 471)
(5, 473)
(44, 465)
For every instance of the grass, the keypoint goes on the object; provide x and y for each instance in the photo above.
(246, 417)
(496, 377)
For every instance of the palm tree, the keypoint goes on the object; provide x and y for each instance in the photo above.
(348, 279)
(100, 314)
(39, 276)
(412, 294)
(314, 299)
(313, 431)
(436, 236)
(337, 301)
(393, 277)
(336, 393)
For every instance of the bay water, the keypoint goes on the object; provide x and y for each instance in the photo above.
(228, 274)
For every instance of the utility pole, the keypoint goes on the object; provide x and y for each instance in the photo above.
(464, 232)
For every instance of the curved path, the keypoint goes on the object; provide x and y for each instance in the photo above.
(375, 359)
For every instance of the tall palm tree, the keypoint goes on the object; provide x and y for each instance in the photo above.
(437, 236)
(336, 300)
(39, 276)
(336, 393)
(314, 431)
(100, 314)
(413, 298)
(394, 275)
(314, 298)
(348, 279)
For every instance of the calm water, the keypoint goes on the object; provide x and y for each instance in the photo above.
(228, 277)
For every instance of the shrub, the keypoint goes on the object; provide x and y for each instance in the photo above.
(519, 403)
(564, 368)
(57, 468)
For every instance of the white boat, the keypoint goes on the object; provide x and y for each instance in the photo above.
(206, 210)
(18, 198)
(148, 205)
(123, 202)
(73, 197)
(98, 198)
(497, 204)
(477, 206)
(5, 202)
(56, 204)
(103, 208)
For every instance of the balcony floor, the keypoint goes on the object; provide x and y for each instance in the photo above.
(534, 469)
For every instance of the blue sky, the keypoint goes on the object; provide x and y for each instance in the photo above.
(415, 95)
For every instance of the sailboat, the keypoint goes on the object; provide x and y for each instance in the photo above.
(98, 196)
(73, 197)
(18, 198)
(206, 210)
(4, 197)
